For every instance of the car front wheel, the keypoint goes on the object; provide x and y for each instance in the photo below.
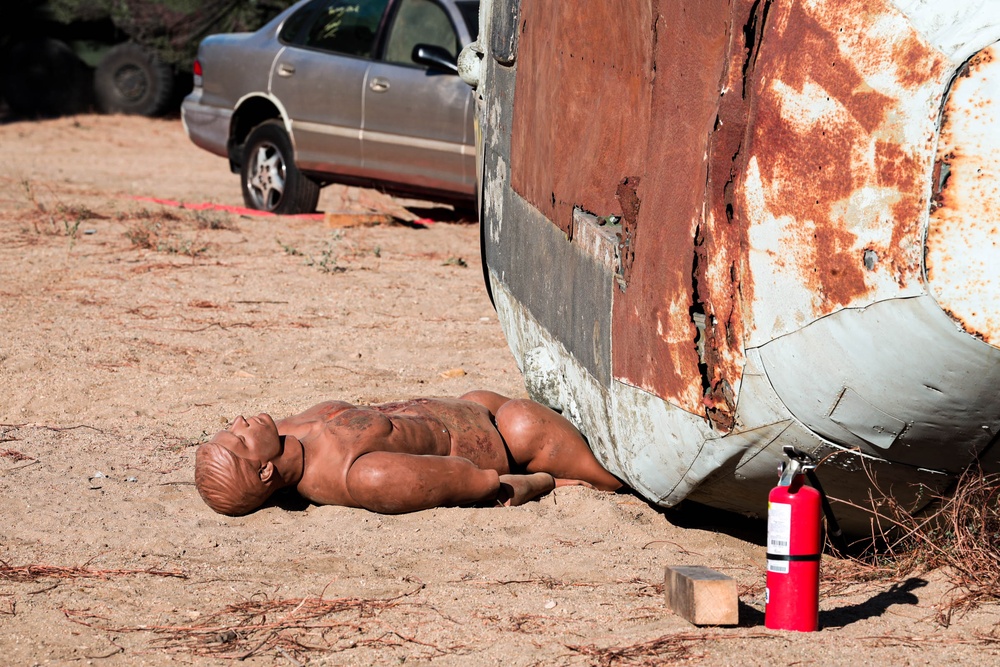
(271, 181)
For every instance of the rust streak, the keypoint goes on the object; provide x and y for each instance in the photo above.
(627, 197)
(721, 244)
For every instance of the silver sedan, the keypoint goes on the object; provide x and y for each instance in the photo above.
(361, 92)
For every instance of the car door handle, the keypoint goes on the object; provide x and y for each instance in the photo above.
(285, 70)
(379, 85)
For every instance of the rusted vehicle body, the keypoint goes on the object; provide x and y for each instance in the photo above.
(713, 228)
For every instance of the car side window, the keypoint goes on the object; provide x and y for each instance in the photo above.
(339, 26)
(419, 22)
(291, 29)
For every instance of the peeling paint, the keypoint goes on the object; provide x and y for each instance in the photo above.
(627, 198)
(843, 139)
(963, 243)
(812, 124)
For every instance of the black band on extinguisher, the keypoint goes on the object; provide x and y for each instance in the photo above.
(793, 558)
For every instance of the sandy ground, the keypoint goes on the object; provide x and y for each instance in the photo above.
(131, 331)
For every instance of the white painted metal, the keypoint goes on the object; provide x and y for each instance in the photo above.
(958, 28)
(963, 243)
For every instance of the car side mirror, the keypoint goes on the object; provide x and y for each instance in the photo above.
(435, 57)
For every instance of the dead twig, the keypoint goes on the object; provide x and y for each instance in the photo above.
(44, 590)
(52, 428)
(224, 327)
(661, 650)
(289, 658)
(547, 582)
(684, 551)
(24, 573)
(23, 465)
(256, 648)
(245, 629)
(918, 641)
(117, 649)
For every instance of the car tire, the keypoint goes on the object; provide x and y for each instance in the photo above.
(131, 79)
(43, 77)
(270, 180)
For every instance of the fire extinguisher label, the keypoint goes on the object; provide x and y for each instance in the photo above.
(778, 566)
(779, 535)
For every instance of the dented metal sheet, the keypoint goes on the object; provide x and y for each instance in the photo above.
(963, 243)
(896, 380)
(777, 170)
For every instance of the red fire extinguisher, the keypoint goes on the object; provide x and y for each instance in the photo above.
(794, 545)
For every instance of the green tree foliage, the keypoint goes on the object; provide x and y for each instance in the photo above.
(173, 28)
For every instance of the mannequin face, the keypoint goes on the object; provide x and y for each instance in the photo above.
(255, 439)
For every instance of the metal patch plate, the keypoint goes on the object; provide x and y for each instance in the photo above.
(963, 255)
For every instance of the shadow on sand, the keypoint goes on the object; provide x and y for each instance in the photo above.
(900, 593)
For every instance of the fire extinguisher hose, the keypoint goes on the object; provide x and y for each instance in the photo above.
(832, 525)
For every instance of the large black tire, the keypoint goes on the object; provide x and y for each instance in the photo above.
(269, 177)
(43, 77)
(131, 79)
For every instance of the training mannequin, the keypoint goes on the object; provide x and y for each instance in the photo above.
(482, 448)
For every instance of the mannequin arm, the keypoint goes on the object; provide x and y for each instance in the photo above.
(394, 483)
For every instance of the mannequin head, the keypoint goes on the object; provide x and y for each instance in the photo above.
(235, 471)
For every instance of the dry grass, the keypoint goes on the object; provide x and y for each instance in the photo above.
(959, 535)
(665, 650)
(55, 218)
(155, 232)
(291, 628)
(31, 573)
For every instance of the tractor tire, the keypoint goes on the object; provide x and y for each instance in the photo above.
(131, 79)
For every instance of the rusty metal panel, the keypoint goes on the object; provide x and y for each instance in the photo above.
(595, 156)
(655, 327)
(721, 280)
(774, 185)
(828, 186)
(962, 239)
(836, 190)
(581, 110)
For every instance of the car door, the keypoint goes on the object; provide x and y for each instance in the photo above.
(319, 76)
(417, 128)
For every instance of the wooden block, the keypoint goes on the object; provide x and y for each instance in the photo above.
(702, 595)
(341, 220)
